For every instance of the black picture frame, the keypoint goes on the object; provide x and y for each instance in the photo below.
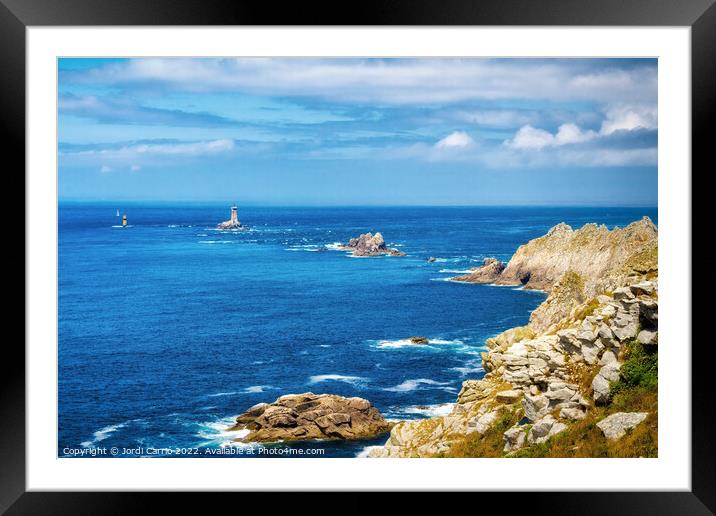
(17, 15)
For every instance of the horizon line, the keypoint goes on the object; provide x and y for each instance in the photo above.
(594, 204)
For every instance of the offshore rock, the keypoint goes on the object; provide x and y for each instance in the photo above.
(311, 416)
(370, 245)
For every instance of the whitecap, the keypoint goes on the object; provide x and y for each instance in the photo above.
(353, 380)
(103, 433)
(402, 343)
(217, 433)
(222, 394)
(257, 388)
(411, 385)
(437, 410)
(456, 271)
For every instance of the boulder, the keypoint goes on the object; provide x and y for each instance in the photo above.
(544, 429)
(311, 416)
(419, 340)
(648, 338)
(601, 382)
(514, 439)
(535, 406)
(615, 426)
(481, 423)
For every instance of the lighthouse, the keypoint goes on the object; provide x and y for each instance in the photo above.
(233, 222)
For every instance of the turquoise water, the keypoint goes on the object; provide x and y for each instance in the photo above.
(168, 329)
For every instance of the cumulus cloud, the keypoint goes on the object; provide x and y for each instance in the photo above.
(458, 139)
(616, 118)
(629, 118)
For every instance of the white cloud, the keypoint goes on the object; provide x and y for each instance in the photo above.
(528, 137)
(135, 155)
(458, 139)
(399, 81)
(571, 133)
(629, 118)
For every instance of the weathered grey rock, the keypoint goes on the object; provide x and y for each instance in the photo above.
(544, 429)
(607, 357)
(600, 389)
(508, 397)
(644, 288)
(535, 406)
(648, 338)
(605, 332)
(601, 382)
(482, 424)
(311, 416)
(573, 413)
(615, 426)
(514, 439)
(625, 328)
(623, 293)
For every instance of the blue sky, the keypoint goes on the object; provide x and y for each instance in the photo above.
(359, 131)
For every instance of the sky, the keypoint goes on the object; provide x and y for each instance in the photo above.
(356, 131)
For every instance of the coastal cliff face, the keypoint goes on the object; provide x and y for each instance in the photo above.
(581, 378)
(575, 265)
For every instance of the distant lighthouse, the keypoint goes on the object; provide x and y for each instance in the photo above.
(233, 222)
(124, 220)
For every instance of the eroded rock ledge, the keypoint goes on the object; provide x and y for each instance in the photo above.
(370, 245)
(311, 416)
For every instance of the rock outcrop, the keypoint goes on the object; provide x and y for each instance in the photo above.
(311, 416)
(370, 245)
(548, 376)
(488, 272)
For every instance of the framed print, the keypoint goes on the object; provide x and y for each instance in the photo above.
(418, 250)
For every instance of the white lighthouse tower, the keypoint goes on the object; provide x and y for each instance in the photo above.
(233, 222)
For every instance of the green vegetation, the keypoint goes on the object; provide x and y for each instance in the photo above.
(639, 370)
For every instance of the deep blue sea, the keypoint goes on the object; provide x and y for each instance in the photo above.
(168, 329)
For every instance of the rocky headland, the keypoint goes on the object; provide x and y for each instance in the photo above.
(311, 416)
(581, 378)
(370, 245)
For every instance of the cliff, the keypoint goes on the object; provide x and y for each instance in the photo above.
(581, 378)
(575, 265)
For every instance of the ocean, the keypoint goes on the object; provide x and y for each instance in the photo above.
(168, 328)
